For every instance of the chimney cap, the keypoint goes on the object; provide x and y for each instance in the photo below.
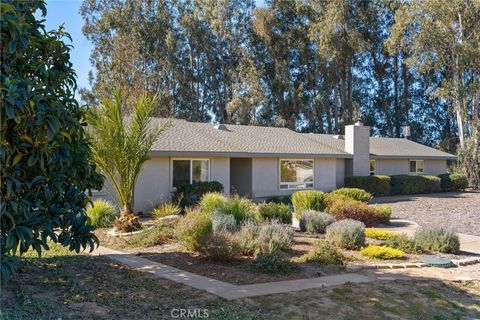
(359, 123)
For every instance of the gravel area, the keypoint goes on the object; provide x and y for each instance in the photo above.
(457, 210)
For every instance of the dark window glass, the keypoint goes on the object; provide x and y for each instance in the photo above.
(181, 172)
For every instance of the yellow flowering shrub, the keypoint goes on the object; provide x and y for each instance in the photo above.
(379, 234)
(382, 252)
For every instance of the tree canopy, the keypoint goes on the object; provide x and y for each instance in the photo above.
(46, 167)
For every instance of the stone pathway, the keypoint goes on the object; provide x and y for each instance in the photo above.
(229, 291)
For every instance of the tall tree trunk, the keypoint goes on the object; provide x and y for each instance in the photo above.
(397, 112)
(344, 108)
(328, 104)
(335, 104)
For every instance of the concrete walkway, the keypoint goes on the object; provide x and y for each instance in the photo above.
(223, 289)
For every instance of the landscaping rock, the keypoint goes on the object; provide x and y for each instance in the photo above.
(172, 217)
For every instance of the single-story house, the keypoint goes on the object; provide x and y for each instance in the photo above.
(260, 162)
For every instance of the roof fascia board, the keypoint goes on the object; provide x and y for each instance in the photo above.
(245, 154)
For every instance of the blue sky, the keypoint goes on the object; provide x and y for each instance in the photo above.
(67, 12)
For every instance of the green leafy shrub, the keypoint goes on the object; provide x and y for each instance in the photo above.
(375, 185)
(324, 253)
(159, 234)
(437, 239)
(166, 209)
(379, 234)
(273, 263)
(404, 243)
(453, 181)
(194, 229)
(315, 221)
(190, 194)
(223, 222)
(275, 211)
(101, 214)
(307, 200)
(221, 246)
(413, 184)
(240, 208)
(356, 210)
(382, 252)
(212, 201)
(385, 212)
(347, 234)
(354, 193)
(268, 237)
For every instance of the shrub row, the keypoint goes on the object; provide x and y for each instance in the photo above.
(407, 184)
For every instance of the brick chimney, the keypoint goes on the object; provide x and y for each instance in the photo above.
(357, 143)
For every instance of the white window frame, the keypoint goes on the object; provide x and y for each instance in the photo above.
(372, 173)
(416, 166)
(191, 169)
(281, 183)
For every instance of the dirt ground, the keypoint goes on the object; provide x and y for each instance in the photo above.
(238, 271)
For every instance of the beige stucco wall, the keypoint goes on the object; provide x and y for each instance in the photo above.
(266, 180)
(340, 172)
(435, 167)
(391, 167)
(154, 182)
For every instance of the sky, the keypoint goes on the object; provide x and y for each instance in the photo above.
(67, 12)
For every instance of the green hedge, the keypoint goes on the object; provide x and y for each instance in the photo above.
(376, 185)
(406, 184)
(453, 182)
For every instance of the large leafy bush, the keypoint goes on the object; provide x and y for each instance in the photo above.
(354, 193)
(376, 185)
(275, 211)
(307, 200)
(347, 234)
(46, 166)
(101, 213)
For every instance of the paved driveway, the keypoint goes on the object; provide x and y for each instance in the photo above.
(457, 210)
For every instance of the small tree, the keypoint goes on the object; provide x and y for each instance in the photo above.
(121, 146)
(45, 155)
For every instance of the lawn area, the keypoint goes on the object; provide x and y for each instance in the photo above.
(62, 285)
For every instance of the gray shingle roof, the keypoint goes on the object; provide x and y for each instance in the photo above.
(183, 137)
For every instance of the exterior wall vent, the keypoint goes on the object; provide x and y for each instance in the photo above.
(221, 127)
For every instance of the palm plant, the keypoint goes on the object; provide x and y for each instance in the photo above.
(120, 148)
